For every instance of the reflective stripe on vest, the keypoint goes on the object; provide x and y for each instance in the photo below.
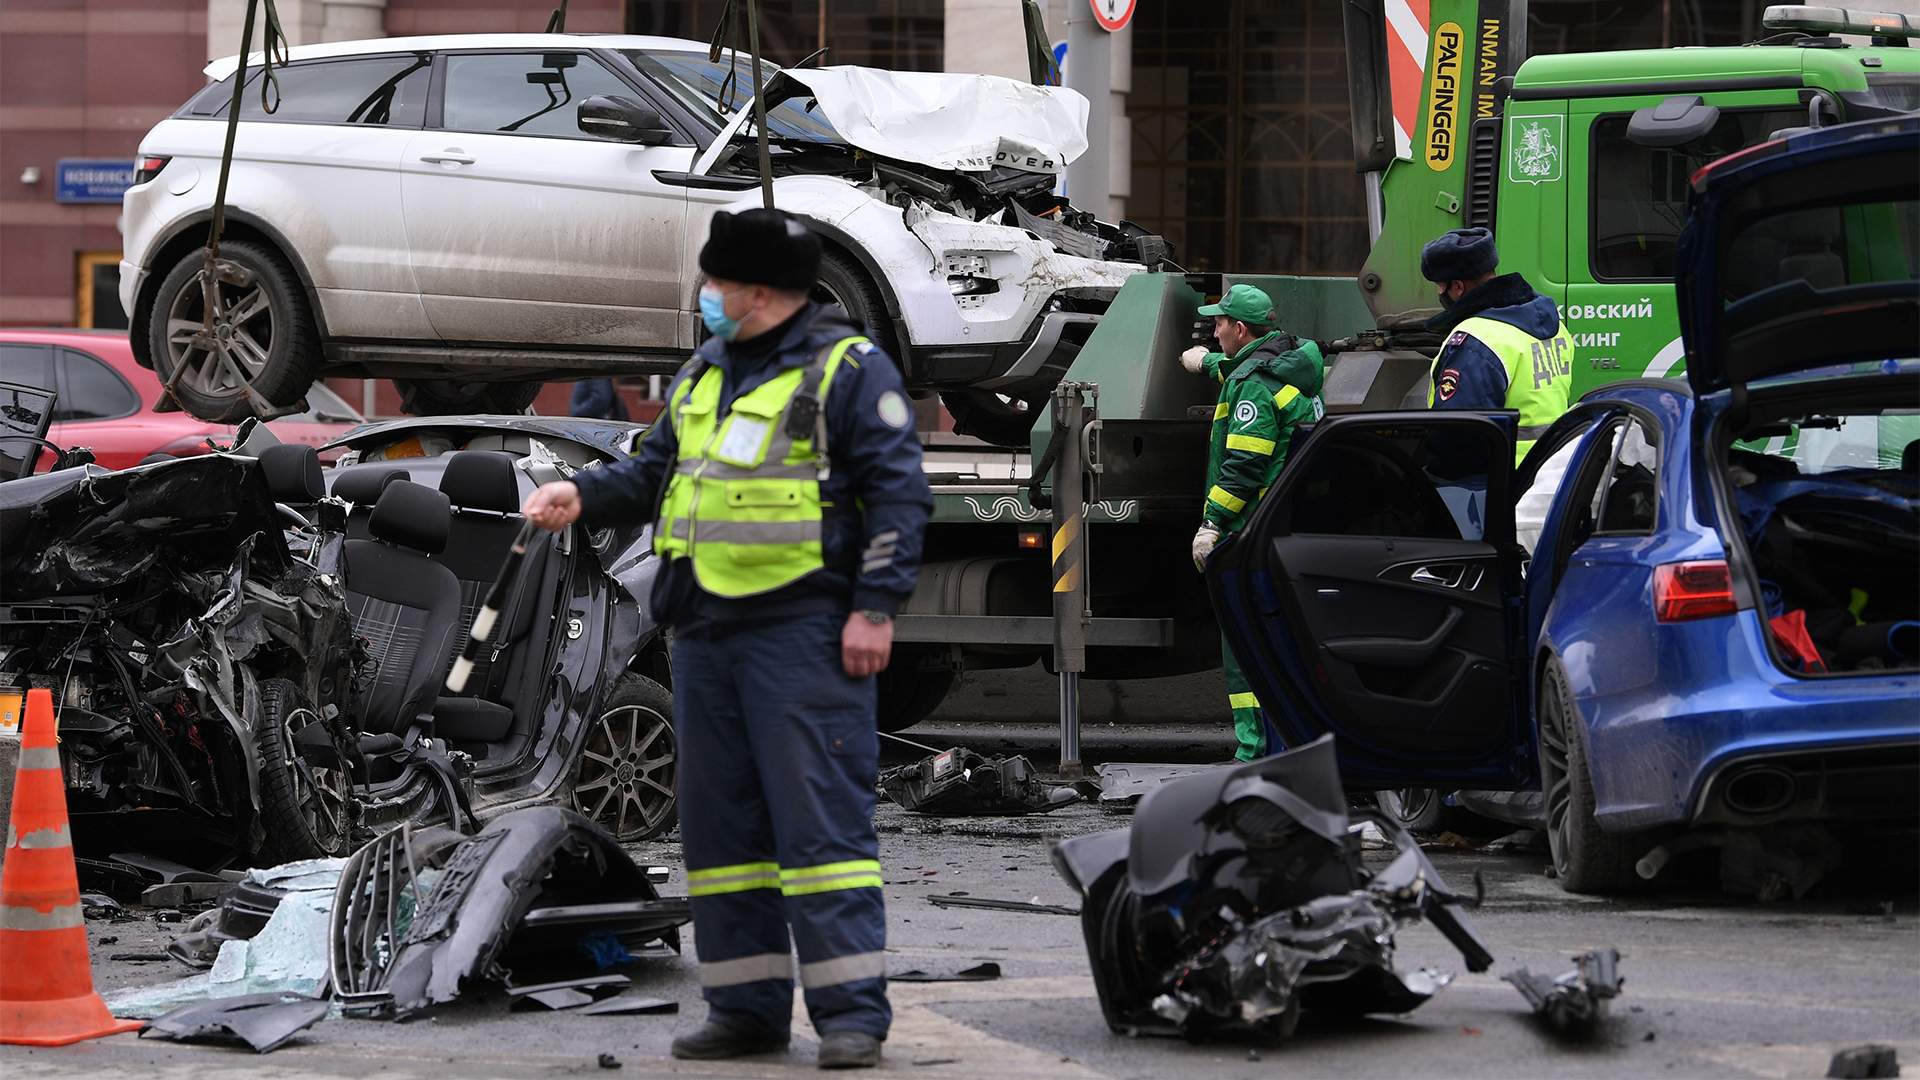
(744, 499)
(1539, 374)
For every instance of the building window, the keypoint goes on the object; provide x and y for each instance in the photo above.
(97, 291)
(1242, 145)
(899, 35)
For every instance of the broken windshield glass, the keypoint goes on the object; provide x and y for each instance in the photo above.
(704, 87)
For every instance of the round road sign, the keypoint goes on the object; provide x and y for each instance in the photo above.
(1112, 15)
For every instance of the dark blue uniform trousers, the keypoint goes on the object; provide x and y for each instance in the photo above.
(778, 754)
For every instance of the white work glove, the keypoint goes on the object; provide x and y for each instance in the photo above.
(1203, 545)
(1194, 359)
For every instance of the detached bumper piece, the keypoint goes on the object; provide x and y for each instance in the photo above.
(1238, 900)
(540, 895)
(263, 1022)
(1576, 1002)
(960, 782)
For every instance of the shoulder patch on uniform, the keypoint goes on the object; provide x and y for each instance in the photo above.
(1245, 413)
(863, 347)
(1458, 337)
(894, 411)
(1446, 384)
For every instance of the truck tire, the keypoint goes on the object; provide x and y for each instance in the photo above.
(1586, 859)
(907, 695)
(626, 778)
(272, 326)
(434, 398)
(843, 282)
(306, 809)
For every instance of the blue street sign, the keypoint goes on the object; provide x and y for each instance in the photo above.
(92, 180)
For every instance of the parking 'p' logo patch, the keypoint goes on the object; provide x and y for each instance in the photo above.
(1245, 413)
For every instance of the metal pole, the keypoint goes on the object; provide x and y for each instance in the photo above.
(1090, 71)
(1376, 208)
(759, 103)
(1069, 569)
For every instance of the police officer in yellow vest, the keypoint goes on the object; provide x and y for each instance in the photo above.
(1506, 347)
(791, 503)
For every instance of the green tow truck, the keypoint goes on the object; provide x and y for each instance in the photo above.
(1073, 549)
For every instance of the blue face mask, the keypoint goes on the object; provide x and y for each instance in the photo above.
(713, 312)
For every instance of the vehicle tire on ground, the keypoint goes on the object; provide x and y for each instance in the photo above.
(1425, 811)
(908, 694)
(843, 282)
(434, 398)
(269, 325)
(306, 808)
(625, 778)
(1585, 858)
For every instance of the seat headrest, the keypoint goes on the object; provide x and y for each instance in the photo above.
(362, 487)
(411, 515)
(482, 480)
(292, 472)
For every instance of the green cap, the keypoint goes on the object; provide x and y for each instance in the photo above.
(1245, 303)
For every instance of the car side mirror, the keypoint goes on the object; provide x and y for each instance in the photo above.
(1674, 121)
(622, 119)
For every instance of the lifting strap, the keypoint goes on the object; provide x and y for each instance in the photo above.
(273, 41)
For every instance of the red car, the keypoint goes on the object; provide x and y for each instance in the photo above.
(106, 400)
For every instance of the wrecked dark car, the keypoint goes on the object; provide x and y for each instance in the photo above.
(1238, 899)
(201, 670)
(567, 702)
(960, 782)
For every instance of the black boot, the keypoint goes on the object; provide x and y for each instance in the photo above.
(715, 1040)
(849, 1050)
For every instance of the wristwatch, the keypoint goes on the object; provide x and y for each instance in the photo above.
(877, 618)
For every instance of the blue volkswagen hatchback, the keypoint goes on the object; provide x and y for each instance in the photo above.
(1716, 639)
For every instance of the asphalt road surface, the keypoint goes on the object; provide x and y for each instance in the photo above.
(1714, 987)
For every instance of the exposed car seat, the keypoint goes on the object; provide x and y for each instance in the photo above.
(483, 489)
(292, 473)
(404, 605)
(361, 486)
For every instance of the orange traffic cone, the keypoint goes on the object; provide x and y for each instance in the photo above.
(46, 985)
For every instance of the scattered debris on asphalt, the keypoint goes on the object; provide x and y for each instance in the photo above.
(567, 994)
(960, 782)
(424, 916)
(263, 1022)
(1034, 907)
(1869, 1062)
(247, 904)
(1238, 899)
(1573, 1003)
(984, 972)
(632, 1006)
(608, 1061)
(182, 893)
(287, 955)
(1124, 783)
(138, 957)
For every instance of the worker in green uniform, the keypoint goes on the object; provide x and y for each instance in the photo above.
(1269, 385)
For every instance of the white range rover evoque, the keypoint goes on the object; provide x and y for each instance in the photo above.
(470, 215)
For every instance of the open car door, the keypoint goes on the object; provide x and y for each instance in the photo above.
(1376, 595)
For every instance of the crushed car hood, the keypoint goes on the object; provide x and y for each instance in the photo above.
(83, 531)
(968, 123)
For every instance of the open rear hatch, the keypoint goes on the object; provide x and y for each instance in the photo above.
(1800, 304)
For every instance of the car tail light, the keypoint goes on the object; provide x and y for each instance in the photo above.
(1692, 590)
(148, 167)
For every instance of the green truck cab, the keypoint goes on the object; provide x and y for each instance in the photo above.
(1579, 163)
